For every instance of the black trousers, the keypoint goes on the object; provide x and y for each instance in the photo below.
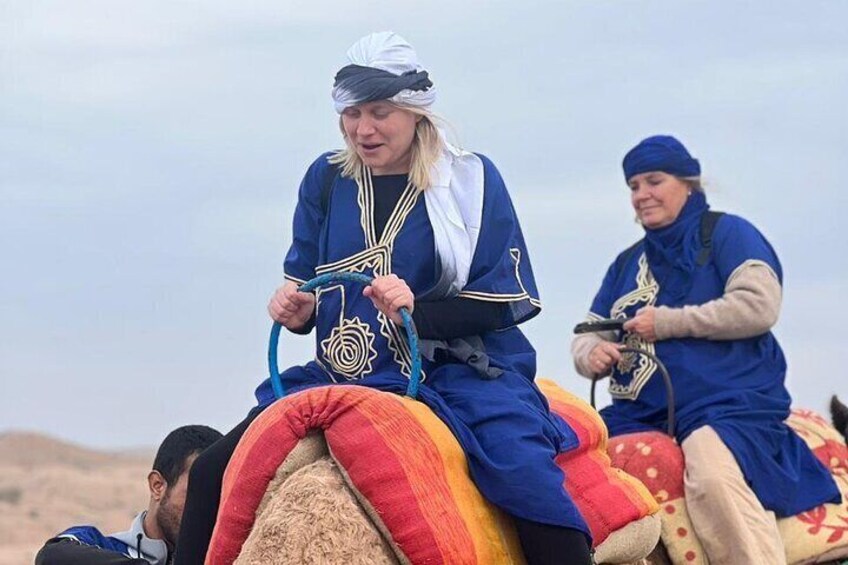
(542, 544)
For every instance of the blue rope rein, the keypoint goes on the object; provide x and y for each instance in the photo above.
(319, 281)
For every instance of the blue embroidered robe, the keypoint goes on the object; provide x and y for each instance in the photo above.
(734, 386)
(503, 424)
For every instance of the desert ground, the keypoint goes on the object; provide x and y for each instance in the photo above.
(47, 485)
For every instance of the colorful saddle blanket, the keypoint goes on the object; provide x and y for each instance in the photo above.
(818, 535)
(404, 464)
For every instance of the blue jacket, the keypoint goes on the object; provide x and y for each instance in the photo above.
(86, 544)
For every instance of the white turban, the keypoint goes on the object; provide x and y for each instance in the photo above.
(382, 66)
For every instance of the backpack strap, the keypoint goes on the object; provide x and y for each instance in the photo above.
(708, 224)
(622, 260)
(327, 186)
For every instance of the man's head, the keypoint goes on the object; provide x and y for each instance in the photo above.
(168, 480)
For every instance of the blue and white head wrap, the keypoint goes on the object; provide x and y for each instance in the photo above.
(382, 66)
(660, 153)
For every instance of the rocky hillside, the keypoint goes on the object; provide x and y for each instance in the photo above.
(47, 485)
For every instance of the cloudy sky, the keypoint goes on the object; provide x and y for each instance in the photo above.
(150, 153)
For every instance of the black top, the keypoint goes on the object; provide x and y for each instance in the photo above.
(64, 551)
(444, 319)
(387, 192)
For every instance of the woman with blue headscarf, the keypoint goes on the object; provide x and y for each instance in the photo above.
(435, 226)
(702, 291)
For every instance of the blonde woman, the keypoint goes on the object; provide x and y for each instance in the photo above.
(436, 228)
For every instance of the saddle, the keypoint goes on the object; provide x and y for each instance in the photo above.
(408, 496)
(815, 536)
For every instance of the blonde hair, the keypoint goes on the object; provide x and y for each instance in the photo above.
(694, 183)
(427, 145)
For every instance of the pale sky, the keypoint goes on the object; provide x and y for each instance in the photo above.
(150, 154)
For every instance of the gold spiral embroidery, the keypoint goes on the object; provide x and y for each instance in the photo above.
(350, 349)
(640, 367)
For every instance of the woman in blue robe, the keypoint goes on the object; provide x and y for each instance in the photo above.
(436, 228)
(704, 304)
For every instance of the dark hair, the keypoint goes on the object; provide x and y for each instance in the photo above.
(178, 446)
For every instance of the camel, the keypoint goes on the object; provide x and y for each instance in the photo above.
(315, 508)
(394, 488)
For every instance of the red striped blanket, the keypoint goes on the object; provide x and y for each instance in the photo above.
(405, 463)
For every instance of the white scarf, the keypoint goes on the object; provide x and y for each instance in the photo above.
(454, 203)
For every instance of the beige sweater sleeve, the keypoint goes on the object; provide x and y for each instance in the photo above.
(750, 306)
(582, 345)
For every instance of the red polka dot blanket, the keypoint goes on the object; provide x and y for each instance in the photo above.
(818, 535)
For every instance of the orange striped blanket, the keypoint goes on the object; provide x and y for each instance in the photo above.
(404, 461)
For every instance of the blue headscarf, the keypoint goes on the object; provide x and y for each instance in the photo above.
(660, 153)
(672, 251)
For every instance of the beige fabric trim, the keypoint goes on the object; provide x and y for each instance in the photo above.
(492, 297)
(749, 307)
(583, 344)
(293, 279)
